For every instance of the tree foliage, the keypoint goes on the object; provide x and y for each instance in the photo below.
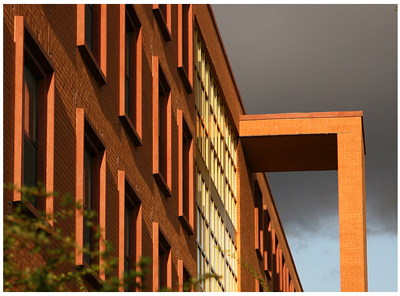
(30, 241)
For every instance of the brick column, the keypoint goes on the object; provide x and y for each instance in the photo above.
(352, 213)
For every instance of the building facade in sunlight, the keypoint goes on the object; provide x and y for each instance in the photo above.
(135, 112)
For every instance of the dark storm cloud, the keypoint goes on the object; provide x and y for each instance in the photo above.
(307, 202)
(309, 58)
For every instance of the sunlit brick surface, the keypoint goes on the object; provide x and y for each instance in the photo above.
(348, 126)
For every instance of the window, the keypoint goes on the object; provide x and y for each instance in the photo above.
(162, 13)
(93, 153)
(90, 190)
(275, 262)
(213, 133)
(89, 205)
(31, 87)
(162, 268)
(259, 221)
(185, 45)
(92, 38)
(130, 227)
(267, 243)
(185, 174)
(184, 278)
(163, 257)
(161, 129)
(33, 130)
(130, 109)
(279, 267)
(91, 25)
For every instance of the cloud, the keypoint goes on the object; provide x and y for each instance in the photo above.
(309, 58)
(314, 58)
(307, 202)
(333, 274)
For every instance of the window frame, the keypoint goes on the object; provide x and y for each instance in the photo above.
(185, 173)
(162, 173)
(87, 135)
(185, 45)
(267, 243)
(160, 242)
(131, 120)
(162, 13)
(182, 274)
(259, 220)
(129, 195)
(96, 59)
(29, 51)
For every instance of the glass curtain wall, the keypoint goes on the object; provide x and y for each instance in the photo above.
(216, 165)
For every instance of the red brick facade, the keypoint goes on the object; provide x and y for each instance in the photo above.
(321, 141)
(86, 94)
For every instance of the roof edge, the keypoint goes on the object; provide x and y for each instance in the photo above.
(329, 114)
(302, 115)
(226, 57)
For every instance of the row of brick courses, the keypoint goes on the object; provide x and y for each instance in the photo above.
(348, 127)
(75, 86)
(247, 234)
(246, 179)
(219, 62)
(55, 26)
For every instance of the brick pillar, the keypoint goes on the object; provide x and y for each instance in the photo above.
(352, 213)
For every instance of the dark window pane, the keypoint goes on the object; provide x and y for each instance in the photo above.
(163, 8)
(29, 173)
(186, 281)
(127, 72)
(88, 180)
(185, 47)
(87, 230)
(160, 268)
(87, 240)
(30, 102)
(31, 82)
(126, 268)
(185, 160)
(163, 253)
(127, 231)
(89, 25)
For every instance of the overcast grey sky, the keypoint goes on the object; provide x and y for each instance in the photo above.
(310, 58)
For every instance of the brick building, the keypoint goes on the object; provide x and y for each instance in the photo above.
(134, 110)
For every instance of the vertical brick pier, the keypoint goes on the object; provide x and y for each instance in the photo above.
(312, 142)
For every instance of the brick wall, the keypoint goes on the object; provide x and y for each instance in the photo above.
(55, 27)
(75, 86)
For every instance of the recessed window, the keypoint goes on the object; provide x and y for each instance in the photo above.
(161, 126)
(184, 278)
(31, 87)
(93, 154)
(92, 38)
(267, 243)
(34, 117)
(163, 257)
(132, 227)
(163, 97)
(185, 173)
(259, 221)
(162, 12)
(91, 15)
(90, 191)
(88, 204)
(185, 45)
(162, 267)
(130, 110)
